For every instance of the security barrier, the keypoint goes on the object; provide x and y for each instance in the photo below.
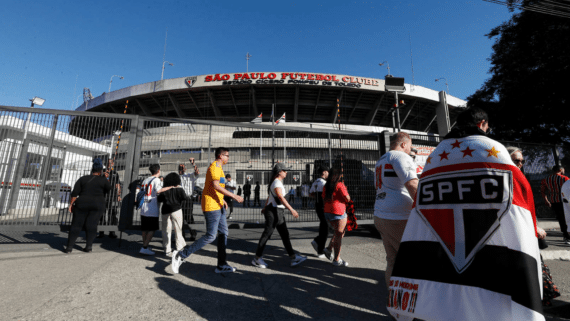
(35, 189)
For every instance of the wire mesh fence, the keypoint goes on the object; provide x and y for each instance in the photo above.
(35, 188)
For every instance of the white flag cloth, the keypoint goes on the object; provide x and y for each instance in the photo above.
(280, 120)
(257, 119)
(469, 251)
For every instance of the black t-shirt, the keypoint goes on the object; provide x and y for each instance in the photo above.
(90, 190)
(172, 199)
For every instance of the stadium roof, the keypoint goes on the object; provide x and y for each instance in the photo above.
(304, 97)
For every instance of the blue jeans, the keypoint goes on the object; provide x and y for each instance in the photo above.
(215, 222)
(334, 217)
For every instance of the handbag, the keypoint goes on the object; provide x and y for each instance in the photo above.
(351, 223)
(141, 194)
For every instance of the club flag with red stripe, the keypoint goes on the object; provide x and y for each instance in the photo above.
(469, 250)
(257, 119)
(280, 120)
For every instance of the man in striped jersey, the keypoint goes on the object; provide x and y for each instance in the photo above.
(470, 250)
(396, 185)
(550, 190)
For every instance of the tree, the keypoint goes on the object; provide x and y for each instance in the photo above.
(528, 94)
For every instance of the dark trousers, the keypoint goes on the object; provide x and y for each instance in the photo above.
(246, 200)
(230, 202)
(559, 211)
(274, 218)
(188, 218)
(256, 200)
(321, 239)
(89, 218)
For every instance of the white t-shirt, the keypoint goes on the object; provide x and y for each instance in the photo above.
(188, 181)
(565, 192)
(276, 184)
(231, 186)
(393, 170)
(150, 204)
(318, 185)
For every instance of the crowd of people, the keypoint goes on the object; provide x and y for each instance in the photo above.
(446, 234)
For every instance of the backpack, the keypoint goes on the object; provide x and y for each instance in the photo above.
(141, 194)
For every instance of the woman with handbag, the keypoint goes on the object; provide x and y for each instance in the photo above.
(274, 212)
(88, 205)
(172, 197)
(335, 197)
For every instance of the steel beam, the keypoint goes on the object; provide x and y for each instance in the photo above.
(194, 102)
(160, 106)
(354, 107)
(255, 112)
(317, 104)
(409, 111)
(177, 108)
(369, 119)
(217, 112)
(233, 100)
(296, 105)
(143, 107)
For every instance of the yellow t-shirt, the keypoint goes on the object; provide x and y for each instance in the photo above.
(213, 200)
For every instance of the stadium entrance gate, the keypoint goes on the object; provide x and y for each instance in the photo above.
(44, 152)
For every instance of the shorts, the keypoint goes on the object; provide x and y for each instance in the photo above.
(334, 217)
(149, 223)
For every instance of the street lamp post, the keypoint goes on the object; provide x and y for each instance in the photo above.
(387, 64)
(162, 75)
(445, 83)
(247, 56)
(111, 81)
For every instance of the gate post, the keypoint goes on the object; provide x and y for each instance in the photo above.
(128, 192)
(45, 170)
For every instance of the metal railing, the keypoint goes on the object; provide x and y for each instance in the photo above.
(35, 189)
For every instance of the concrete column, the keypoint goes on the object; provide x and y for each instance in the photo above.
(442, 114)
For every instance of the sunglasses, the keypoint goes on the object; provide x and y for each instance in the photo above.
(519, 161)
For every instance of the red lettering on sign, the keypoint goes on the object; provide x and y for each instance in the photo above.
(293, 76)
(302, 76)
(310, 76)
(254, 75)
(226, 77)
(375, 83)
(319, 77)
(245, 76)
(208, 79)
(237, 76)
(271, 76)
(345, 79)
(262, 76)
(217, 77)
(405, 300)
(284, 75)
(328, 78)
(334, 78)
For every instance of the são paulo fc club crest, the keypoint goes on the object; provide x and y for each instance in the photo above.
(463, 209)
(190, 81)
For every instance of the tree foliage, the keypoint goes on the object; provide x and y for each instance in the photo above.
(527, 96)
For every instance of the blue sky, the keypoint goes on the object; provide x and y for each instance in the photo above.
(53, 49)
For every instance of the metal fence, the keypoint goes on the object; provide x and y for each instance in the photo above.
(44, 152)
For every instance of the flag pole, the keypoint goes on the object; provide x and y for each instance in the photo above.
(285, 144)
(272, 135)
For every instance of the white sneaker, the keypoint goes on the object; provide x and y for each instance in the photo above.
(176, 262)
(340, 262)
(260, 263)
(146, 251)
(169, 254)
(328, 254)
(225, 269)
(298, 260)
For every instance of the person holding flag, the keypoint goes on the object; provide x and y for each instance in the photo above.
(470, 249)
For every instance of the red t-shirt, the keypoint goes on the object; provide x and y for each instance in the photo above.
(336, 205)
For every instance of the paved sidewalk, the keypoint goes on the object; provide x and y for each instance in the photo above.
(116, 283)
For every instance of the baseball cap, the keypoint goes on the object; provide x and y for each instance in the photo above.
(280, 167)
